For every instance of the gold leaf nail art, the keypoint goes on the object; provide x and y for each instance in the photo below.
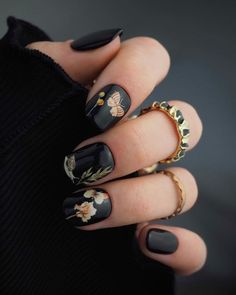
(95, 176)
(88, 176)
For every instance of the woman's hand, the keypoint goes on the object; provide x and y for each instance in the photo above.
(126, 73)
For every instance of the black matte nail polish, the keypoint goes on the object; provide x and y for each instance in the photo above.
(96, 40)
(161, 241)
(89, 163)
(108, 106)
(87, 207)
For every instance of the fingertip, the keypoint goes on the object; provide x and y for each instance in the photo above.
(196, 253)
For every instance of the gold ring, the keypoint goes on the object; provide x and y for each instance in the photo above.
(182, 197)
(181, 127)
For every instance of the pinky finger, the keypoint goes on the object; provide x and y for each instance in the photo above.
(178, 248)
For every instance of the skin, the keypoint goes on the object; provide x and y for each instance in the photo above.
(138, 65)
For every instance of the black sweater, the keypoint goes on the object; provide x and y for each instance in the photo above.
(41, 120)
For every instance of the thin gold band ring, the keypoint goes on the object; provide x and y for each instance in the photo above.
(181, 193)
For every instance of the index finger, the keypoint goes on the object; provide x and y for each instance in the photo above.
(128, 79)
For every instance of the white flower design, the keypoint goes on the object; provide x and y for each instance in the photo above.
(85, 211)
(98, 197)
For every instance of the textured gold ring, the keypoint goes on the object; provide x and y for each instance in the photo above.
(181, 198)
(181, 127)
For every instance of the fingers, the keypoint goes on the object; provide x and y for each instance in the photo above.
(81, 66)
(180, 249)
(128, 79)
(129, 201)
(130, 146)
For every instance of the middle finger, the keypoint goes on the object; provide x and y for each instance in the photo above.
(130, 146)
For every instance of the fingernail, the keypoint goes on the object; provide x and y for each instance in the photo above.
(161, 241)
(96, 40)
(87, 207)
(108, 106)
(89, 163)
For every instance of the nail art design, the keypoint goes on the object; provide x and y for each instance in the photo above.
(89, 164)
(69, 166)
(96, 40)
(108, 106)
(87, 207)
(114, 101)
(161, 241)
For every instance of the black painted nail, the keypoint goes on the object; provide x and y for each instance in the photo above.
(87, 207)
(89, 163)
(161, 241)
(108, 106)
(96, 40)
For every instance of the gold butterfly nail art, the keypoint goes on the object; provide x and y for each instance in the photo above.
(114, 101)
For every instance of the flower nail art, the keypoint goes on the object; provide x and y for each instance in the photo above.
(87, 207)
(84, 211)
(97, 196)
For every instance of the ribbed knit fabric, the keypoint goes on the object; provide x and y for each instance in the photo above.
(41, 120)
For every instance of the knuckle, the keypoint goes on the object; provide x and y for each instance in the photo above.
(136, 137)
(148, 45)
(197, 123)
(157, 49)
(143, 208)
(194, 248)
(147, 41)
(146, 56)
(186, 107)
(198, 260)
(193, 118)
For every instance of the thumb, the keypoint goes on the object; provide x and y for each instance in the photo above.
(82, 66)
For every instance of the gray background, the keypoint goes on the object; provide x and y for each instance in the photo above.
(201, 39)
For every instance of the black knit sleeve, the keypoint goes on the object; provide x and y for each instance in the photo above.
(31, 83)
(41, 120)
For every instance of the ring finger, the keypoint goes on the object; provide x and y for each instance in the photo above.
(129, 201)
